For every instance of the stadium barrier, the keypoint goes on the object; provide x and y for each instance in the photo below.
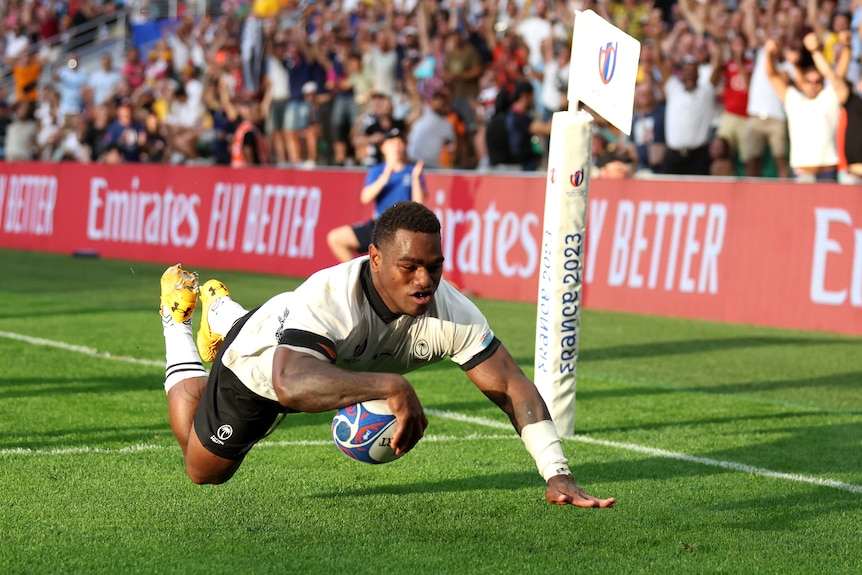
(766, 253)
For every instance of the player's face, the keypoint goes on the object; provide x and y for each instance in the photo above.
(407, 270)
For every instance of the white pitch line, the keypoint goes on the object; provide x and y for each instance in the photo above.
(655, 452)
(286, 443)
(92, 352)
(652, 451)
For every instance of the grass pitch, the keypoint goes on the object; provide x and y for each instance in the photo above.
(730, 449)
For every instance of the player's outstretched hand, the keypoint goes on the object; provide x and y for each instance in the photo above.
(411, 419)
(562, 490)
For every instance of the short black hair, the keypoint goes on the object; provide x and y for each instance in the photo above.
(521, 88)
(409, 216)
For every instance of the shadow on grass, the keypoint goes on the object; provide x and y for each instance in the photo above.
(24, 387)
(598, 479)
(88, 437)
(848, 381)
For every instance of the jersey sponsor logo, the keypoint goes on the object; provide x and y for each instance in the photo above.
(222, 434)
(487, 337)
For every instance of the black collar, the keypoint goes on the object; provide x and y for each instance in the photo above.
(374, 299)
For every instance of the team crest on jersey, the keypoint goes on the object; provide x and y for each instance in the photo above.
(421, 349)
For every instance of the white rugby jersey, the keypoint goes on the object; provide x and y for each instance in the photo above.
(337, 316)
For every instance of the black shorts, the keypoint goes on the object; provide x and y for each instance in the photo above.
(231, 418)
(363, 233)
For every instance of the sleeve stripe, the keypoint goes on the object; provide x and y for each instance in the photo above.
(309, 340)
(482, 355)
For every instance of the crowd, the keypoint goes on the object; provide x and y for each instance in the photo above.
(725, 87)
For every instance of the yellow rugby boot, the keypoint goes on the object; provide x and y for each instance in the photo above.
(179, 293)
(208, 341)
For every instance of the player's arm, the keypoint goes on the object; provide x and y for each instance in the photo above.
(504, 383)
(306, 383)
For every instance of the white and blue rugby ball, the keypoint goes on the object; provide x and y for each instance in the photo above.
(364, 431)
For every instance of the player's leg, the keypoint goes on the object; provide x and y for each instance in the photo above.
(218, 314)
(185, 376)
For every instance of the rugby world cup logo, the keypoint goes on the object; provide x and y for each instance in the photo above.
(607, 62)
(577, 178)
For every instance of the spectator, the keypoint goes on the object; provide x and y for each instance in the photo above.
(462, 69)
(94, 136)
(648, 128)
(360, 83)
(736, 70)
(105, 80)
(510, 58)
(812, 113)
(299, 74)
(432, 134)
(247, 146)
(156, 146)
(50, 120)
(126, 135)
(630, 16)
(372, 127)
(535, 28)
(382, 61)
(688, 115)
(555, 78)
(183, 126)
(767, 122)
(721, 156)
(26, 70)
(20, 142)
(344, 105)
(275, 94)
(133, 69)
(70, 82)
(522, 130)
(17, 41)
(217, 140)
(391, 181)
(6, 117)
(311, 133)
(71, 147)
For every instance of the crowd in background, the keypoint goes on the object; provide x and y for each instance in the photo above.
(724, 88)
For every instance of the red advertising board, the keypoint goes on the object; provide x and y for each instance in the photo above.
(768, 253)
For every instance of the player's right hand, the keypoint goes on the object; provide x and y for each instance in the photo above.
(411, 418)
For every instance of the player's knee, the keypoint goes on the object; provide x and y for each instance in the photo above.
(208, 478)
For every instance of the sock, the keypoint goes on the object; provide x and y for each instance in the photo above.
(182, 360)
(223, 313)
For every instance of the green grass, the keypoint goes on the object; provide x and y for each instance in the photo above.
(731, 449)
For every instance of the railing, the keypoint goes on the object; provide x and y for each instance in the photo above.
(88, 41)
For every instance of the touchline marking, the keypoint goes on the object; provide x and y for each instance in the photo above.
(286, 443)
(655, 452)
(92, 352)
(733, 466)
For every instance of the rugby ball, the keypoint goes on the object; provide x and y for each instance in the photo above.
(363, 431)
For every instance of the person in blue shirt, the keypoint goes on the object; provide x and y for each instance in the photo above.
(391, 181)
